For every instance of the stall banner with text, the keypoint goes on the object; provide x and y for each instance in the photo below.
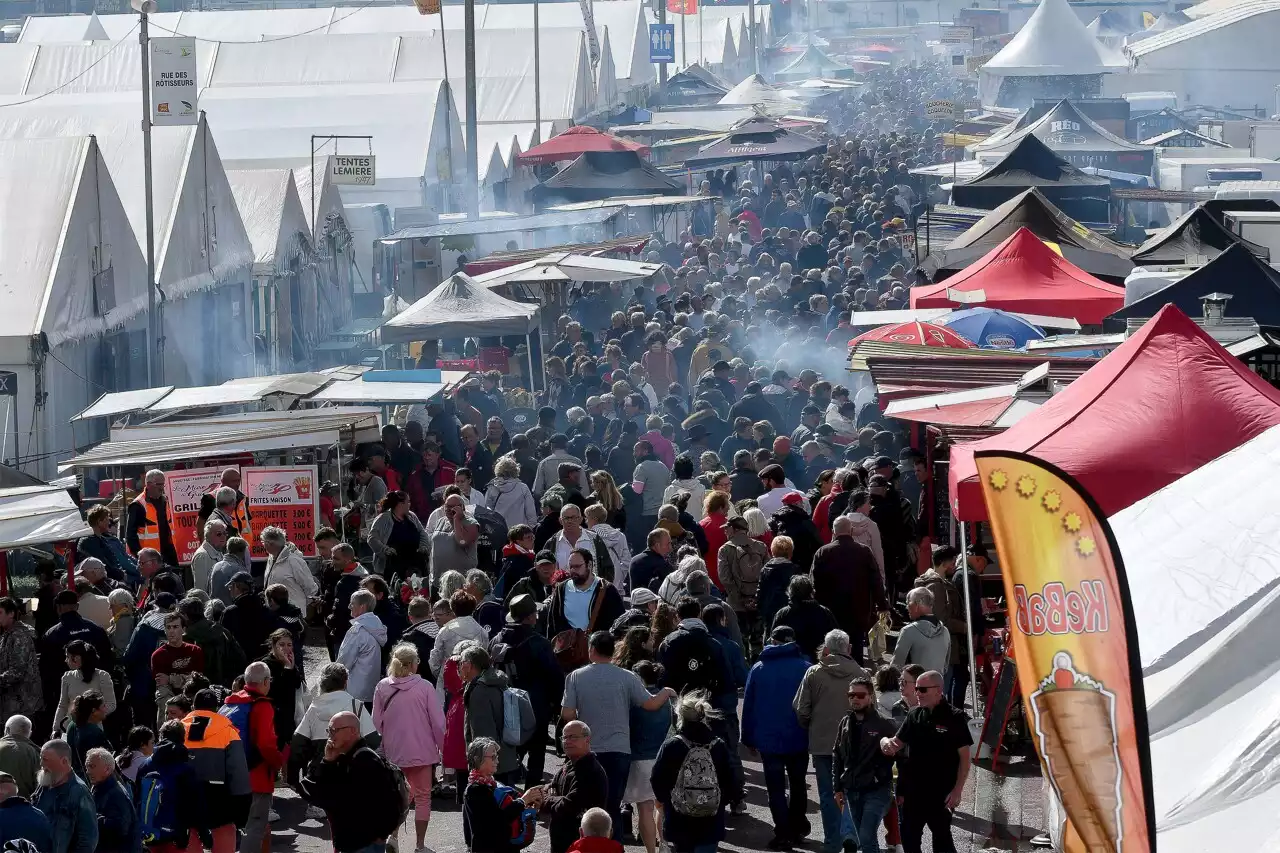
(184, 490)
(1076, 644)
(285, 496)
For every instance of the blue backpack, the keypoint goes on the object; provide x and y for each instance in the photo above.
(524, 827)
(158, 806)
(239, 715)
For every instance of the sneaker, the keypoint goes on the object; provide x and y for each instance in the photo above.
(779, 843)
(273, 816)
(850, 846)
(316, 813)
(739, 808)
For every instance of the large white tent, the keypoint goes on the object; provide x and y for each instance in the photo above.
(73, 272)
(461, 307)
(1203, 564)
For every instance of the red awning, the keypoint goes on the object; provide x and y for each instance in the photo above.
(1025, 276)
(575, 142)
(1164, 403)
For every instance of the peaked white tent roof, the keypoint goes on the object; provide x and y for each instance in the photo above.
(1054, 41)
(1204, 570)
(273, 217)
(754, 91)
(460, 307)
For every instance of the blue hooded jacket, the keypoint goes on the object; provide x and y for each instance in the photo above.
(769, 722)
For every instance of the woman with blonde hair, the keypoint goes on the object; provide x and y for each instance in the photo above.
(693, 713)
(604, 491)
(408, 713)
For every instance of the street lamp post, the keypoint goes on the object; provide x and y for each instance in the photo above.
(469, 58)
(154, 368)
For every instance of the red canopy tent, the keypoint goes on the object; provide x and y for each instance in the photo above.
(575, 142)
(1159, 406)
(1025, 275)
(917, 333)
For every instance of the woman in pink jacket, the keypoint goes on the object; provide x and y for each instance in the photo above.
(411, 719)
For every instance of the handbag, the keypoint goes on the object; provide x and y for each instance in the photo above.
(878, 638)
(570, 645)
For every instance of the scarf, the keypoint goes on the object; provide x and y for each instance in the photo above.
(475, 777)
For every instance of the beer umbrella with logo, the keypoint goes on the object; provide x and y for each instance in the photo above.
(991, 328)
(916, 333)
(575, 142)
(756, 139)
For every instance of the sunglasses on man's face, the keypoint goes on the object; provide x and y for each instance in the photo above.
(921, 688)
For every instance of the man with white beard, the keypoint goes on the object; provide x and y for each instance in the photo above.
(65, 801)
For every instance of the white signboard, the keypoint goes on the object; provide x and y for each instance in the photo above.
(352, 170)
(173, 82)
(937, 110)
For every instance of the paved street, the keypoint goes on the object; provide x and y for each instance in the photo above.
(999, 812)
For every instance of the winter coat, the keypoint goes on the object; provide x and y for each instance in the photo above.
(811, 621)
(410, 716)
(74, 685)
(712, 527)
(822, 699)
(147, 637)
(948, 608)
(285, 682)
(482, 716)
(349, 789)
(262, 752)
(769, 723)
(577, 786)
(309, 738)
(757, 408)
(857, 762)
(697, 491)
(220, 761)
(610, 609)
(248, 619)
(20, 758)
(361, 654)
(223, 657)
(516, 563)
(338, 603)
(662, 446)
(619, 552)
(70, 626)
(795, 522)
(648, 570)
(21, 820)
(380, 532)
(867, 532)
(727, 699)
(529, 662)
(846, 580)
(925, 641)
(739, 573)
(454, 632)
(72, 817)
(682, 832)
(771, 594)
(693, 660)
(744, 484)
(289, 569)
(511, 499)
(118, 828)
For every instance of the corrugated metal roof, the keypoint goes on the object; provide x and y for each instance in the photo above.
(499, 225)
(1207, 24)
(910, 373)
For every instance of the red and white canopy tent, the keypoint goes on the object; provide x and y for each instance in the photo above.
(575, 142)
(1025, 275)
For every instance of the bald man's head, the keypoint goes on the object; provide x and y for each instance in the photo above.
(344, 732)
(843, 526)
(577, 739)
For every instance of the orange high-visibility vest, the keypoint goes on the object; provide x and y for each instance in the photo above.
(149, 534)
(240, 518)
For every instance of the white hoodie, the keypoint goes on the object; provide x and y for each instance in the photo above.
(289, 569)
(361, 654)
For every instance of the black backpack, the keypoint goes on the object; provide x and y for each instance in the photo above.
(701, 672)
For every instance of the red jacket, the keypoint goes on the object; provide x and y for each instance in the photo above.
(420, 487)
(822, 513)
(713, 527)
(595, 845)
(262, 730)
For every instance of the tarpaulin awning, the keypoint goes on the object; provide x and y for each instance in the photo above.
(1032, 164)
(38, 515)
(460, 307)
(1194, 238)
(575, 142)
(1023, 274)
(1254, 288)
(1160, 405)
(995, 407)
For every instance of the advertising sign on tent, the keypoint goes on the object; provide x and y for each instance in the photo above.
(284, 496)
(184, 490)
(173, 82)
(662, 43)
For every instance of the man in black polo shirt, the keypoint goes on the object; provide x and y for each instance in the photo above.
(933, 769)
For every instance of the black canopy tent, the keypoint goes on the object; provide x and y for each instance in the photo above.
(694, 85)
(1032, 164)
(1088, 250)
(1218, 207)
(604, 174)
(756, 138)
(1253, 285)
(1078, 139)
(1194, 238)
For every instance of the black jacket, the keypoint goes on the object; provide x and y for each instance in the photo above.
(648, 569)
(811, 622)
(53, 661)
(480, 465)
(857, 762)
(794, 522)
(685, 833)
(745, 483)
(577, 786)
(250, 621)
(515, 566)
(338, 605)
(886, 512)
(423, 637)
(393, 619)
(486, 828)
(350, 789)
(756, 407)
(693, 660)
(846, 577)
(771, 594)
(610, 610)
(526, 657)
(632, 618)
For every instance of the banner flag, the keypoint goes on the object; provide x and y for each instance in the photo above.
(682, 7)
(1076, 644)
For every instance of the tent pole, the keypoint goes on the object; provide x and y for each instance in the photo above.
(968, 619)
(342, 520)
(528, 351)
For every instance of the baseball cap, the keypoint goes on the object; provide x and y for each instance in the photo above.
(241, 577)
(793, 498)
(544, 557)
(884, 462)
(811, 410)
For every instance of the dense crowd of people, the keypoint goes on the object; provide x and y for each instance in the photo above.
(681, 559)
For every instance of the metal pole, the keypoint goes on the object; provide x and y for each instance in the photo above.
(528, 346)
(473, 162)
(968, 620)
(662, 66)
(537, 77)
(684, 42)
(153, 325)
(751, 33)
(701, 60)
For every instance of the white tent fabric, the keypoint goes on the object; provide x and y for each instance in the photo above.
(273, 217)
(123, 402)
(754, 91)
(1053, 41)
(460, 307)
(560, 266)
(378, 393)
(1203, 564)
(38, 515)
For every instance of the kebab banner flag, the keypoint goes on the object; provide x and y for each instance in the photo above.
(1076, 644)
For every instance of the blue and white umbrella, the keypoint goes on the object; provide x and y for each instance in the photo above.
(991, 328)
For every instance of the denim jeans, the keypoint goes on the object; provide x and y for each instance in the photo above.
(867, 809)
(956, 683)
(781, 768)
(836, 824)
(617, 766)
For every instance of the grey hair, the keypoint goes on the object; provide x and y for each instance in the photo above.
(757, 523)
(842, 526)
(333, 677)
(150, 553)
(669, 512)
(273, 534)
(99, 754)
(596, 823)
(364, 598)
(225, 496)
(256, 673)
(566, 509)
(450, 582)
(837, 642)
(920, 595)
(213, 525)
(479, 749)
(480, 580)
(575, 414)
(477, 655)
(695, 707)
(61, 747)
(153, 475)
(460, 649)
(18, 726)
(697, 582)
(120, 598)
(214, 609)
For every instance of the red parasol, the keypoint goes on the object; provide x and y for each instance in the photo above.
(574, 142)
(916, 333)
